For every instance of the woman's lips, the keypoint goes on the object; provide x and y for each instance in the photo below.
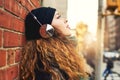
(68, 27)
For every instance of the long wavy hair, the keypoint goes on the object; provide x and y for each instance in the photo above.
(63, 53)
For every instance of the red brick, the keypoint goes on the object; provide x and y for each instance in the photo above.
(22, 40)
(22, 12)
(2, 58)
(0, 38)
(10, 39)
(12, 6)
(12, 72)
(26, 4)
(17, 55)
(1, 2)
(10, 57)
(5, 19)
(9, 4)
(22, 9)
(3, 74)
(29, 7)
(36, 3)
(18, 25)
(16, 8)
(23, 2)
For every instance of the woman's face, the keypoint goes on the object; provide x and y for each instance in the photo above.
(61, 25)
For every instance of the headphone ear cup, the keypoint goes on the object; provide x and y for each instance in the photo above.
(50, 30)
(46, 31)
(42, 31)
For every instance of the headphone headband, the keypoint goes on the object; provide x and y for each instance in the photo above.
(46, 30)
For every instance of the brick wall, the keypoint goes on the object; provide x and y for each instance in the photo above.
(12, 15)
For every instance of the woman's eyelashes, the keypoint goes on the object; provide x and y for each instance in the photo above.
(58, 16)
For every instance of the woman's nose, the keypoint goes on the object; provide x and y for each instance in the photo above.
(65, 21)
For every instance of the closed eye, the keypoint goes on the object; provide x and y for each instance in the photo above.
(58, 16)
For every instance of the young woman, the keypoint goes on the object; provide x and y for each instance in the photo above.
(48, 54)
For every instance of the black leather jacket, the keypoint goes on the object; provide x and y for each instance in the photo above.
(43, 75)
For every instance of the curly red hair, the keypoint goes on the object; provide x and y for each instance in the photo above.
(63, 52)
